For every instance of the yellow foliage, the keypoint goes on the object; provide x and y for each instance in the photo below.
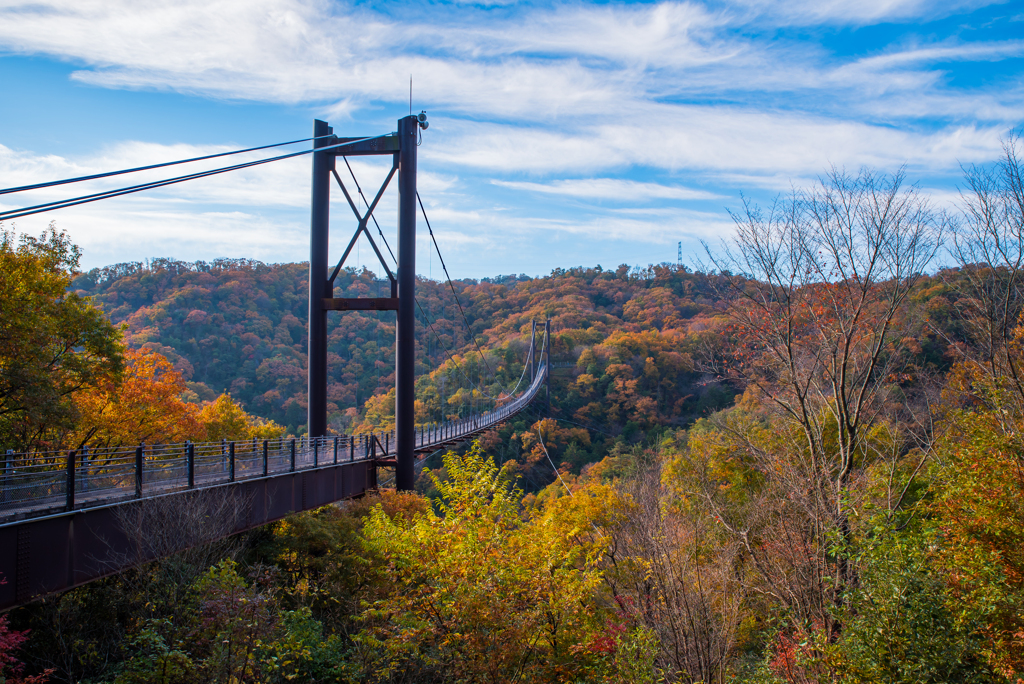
(223, 418)
(380, 413)
(486, 591)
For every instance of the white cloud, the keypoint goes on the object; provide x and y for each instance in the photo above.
(720, 139)
(568, 64)
(844, 12)
(142, 230)
(665, 230)
(610, 188)
(668, 33)
(974, 52)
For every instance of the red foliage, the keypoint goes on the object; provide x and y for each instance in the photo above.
(11, 668)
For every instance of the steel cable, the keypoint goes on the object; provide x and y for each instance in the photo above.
(95, 197)
(108, 174)
(469, 328)
(426, 319)
(379, 231)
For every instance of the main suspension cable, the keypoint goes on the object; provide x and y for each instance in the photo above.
(449, 354)
(469, 328)
(95, 197)
(95, 176)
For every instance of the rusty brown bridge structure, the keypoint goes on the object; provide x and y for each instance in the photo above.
(71, 517)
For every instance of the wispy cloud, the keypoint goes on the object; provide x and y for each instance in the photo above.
(842, 12)
(719, 139)
(610, 188)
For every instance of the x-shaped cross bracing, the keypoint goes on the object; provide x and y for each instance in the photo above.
(363, 220)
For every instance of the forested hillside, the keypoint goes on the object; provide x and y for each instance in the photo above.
(239, 327)
(637, 350)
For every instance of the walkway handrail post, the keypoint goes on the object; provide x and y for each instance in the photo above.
(352, 447)
(138, 470)
(70, 502)
(8, 457)
(335, 449)
(316, 451)
(191, 458)
(292, 448)
(266, 448)
(231, 462)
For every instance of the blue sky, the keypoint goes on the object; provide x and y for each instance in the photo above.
(561, 134)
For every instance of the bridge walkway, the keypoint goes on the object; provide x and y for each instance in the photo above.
(68, 518)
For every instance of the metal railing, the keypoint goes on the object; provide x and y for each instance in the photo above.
(46, 482)
(41, 483)
(435, 435)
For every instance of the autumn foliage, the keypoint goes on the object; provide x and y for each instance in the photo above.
(802, 467)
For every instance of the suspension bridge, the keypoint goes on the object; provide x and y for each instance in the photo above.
(71, 517)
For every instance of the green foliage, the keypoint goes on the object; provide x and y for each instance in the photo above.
(303, 654)
(52, 342)
(635, 655)
(153, 661)
(903, 624)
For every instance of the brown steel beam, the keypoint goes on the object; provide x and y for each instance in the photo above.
(384, 144)
(361, 304)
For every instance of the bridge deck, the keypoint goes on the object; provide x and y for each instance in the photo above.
(70, 518)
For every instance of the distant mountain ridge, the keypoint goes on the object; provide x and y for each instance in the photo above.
(239, 326)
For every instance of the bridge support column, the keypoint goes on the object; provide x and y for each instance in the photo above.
(547, 360)
(402, 146)
(405, 342)
(533, 352)
(323, 162)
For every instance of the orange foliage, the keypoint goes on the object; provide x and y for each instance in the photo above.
(146, 406)
(555, 439)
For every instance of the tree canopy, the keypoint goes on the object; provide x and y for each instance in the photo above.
(53, 342)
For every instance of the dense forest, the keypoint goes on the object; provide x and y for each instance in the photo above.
(801, 462)
(238, 326)
(623, 342)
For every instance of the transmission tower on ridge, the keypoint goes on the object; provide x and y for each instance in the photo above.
(679, 257)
